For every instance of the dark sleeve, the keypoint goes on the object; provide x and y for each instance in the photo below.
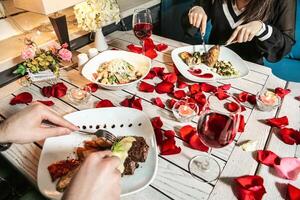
(187, 27)
(276, 39)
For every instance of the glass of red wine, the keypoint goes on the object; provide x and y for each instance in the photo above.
(217, 128)
(142, 25)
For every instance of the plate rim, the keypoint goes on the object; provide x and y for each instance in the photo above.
(155, 148)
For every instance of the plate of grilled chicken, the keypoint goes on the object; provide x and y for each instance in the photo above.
(135, 145)
(217, 63)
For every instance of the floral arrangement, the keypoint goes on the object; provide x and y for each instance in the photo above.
(38, 60)
(93, 14)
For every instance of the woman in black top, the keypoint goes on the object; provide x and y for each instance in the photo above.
(252, 28)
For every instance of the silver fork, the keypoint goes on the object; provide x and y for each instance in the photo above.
(203, 42)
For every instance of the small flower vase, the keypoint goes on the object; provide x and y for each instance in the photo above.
(100, 42)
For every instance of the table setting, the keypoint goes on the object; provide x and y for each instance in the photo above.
(216, 126)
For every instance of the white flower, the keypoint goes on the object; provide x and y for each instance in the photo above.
(93, 14)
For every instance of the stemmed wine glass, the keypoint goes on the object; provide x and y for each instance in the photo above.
(217, 128)
(142, 25)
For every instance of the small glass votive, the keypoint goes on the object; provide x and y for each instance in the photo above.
(267, 100)
(185, 111)
(79, 95)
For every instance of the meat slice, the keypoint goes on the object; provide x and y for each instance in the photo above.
(61, 168)
(65, 181)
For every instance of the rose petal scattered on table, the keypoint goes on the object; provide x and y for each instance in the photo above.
(161, 47)
(242, 124)
(171, 103)
(132, 103)
(105, 103)
(205, 87)
(250, 187)
(249, 145)
(151, 54)
(146, 87)
(158, 102)
(170, 77)
(221, 94)
(156, 122)
(179, 94)
(289, 136)
(46, 91)
(164, 87)
(169, 134)
(59, 90)
(150, 75)
(232, 107)
(194, 89)
(149, 44)
(47, 103)
(181, 84)
(297, 98)
(225, 87)
(243, 97)
(159, 136)
(282, 92)
(134, 49)
(278, 122)
(267, 158)
(169, 147)
(196, 143)
(159, 71)
(186, 132)
(252, 99)
(289, 168)
(293, 193)
(93, 87)
(200, 98)
(22, 98)
(175, 69)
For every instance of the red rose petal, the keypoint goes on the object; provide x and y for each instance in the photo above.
(175, 69)
(159, 71)
(169, 134)
(186, 132)
(242, 124)
(205, 87)
(170, 77)
(22, 98)
(93, 87)
(164, 87)
(289, 136)
(243, 108)
(200, 98)
(126, 103)
(293, 193)
(252, 99)
(243, 97)
(149, 44)
(196, 143)
(221, 94)
(278, 122)
(297, 98)
(134, 49)
(250, 187)
(171, 103)
(232, 107)
(161, 47)
(146, 87)
(267, 158)
(158, 102)
(282, 92)
(181, 84)
(179, 94)
(47, 103)
(59, 90)
(195, 88)
(105, 103)
(137, 104)
(169, 147)
(225, 87)
(150, 75)
(151, 53)
(159, 136)
(156, 123)
(47, 91)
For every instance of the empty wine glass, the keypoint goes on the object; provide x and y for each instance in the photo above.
(217, 128)
(142, 24)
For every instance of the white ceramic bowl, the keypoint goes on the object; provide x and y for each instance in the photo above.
(139, 61)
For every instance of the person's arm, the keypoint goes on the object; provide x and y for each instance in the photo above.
(276, 41)
(27, 126)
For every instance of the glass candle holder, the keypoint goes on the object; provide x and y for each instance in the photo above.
(79, 95)
(185, 111)
(267, 100)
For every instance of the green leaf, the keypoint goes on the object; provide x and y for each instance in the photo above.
(21, 70)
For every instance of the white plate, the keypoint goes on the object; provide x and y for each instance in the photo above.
(141, 62)
(225, 54)
(59, 148)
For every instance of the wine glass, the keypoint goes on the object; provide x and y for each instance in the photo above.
(217, 128)
(142, 25)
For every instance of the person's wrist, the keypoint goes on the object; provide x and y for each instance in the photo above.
(262, 28)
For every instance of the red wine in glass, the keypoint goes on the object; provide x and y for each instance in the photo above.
(142, 30)
(216, 130)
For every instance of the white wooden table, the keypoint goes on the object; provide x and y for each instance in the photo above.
(173, 180)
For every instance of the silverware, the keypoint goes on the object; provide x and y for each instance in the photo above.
(203, 42)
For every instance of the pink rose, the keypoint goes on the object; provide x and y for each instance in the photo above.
(28, 53)
(65, 45)
(65, 54)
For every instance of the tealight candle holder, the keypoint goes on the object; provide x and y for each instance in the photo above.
(79, 95)
(185, 111)
(267, 100)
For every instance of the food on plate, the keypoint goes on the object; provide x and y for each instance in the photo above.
(210, 59)
(117, 71)
(130, 149)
